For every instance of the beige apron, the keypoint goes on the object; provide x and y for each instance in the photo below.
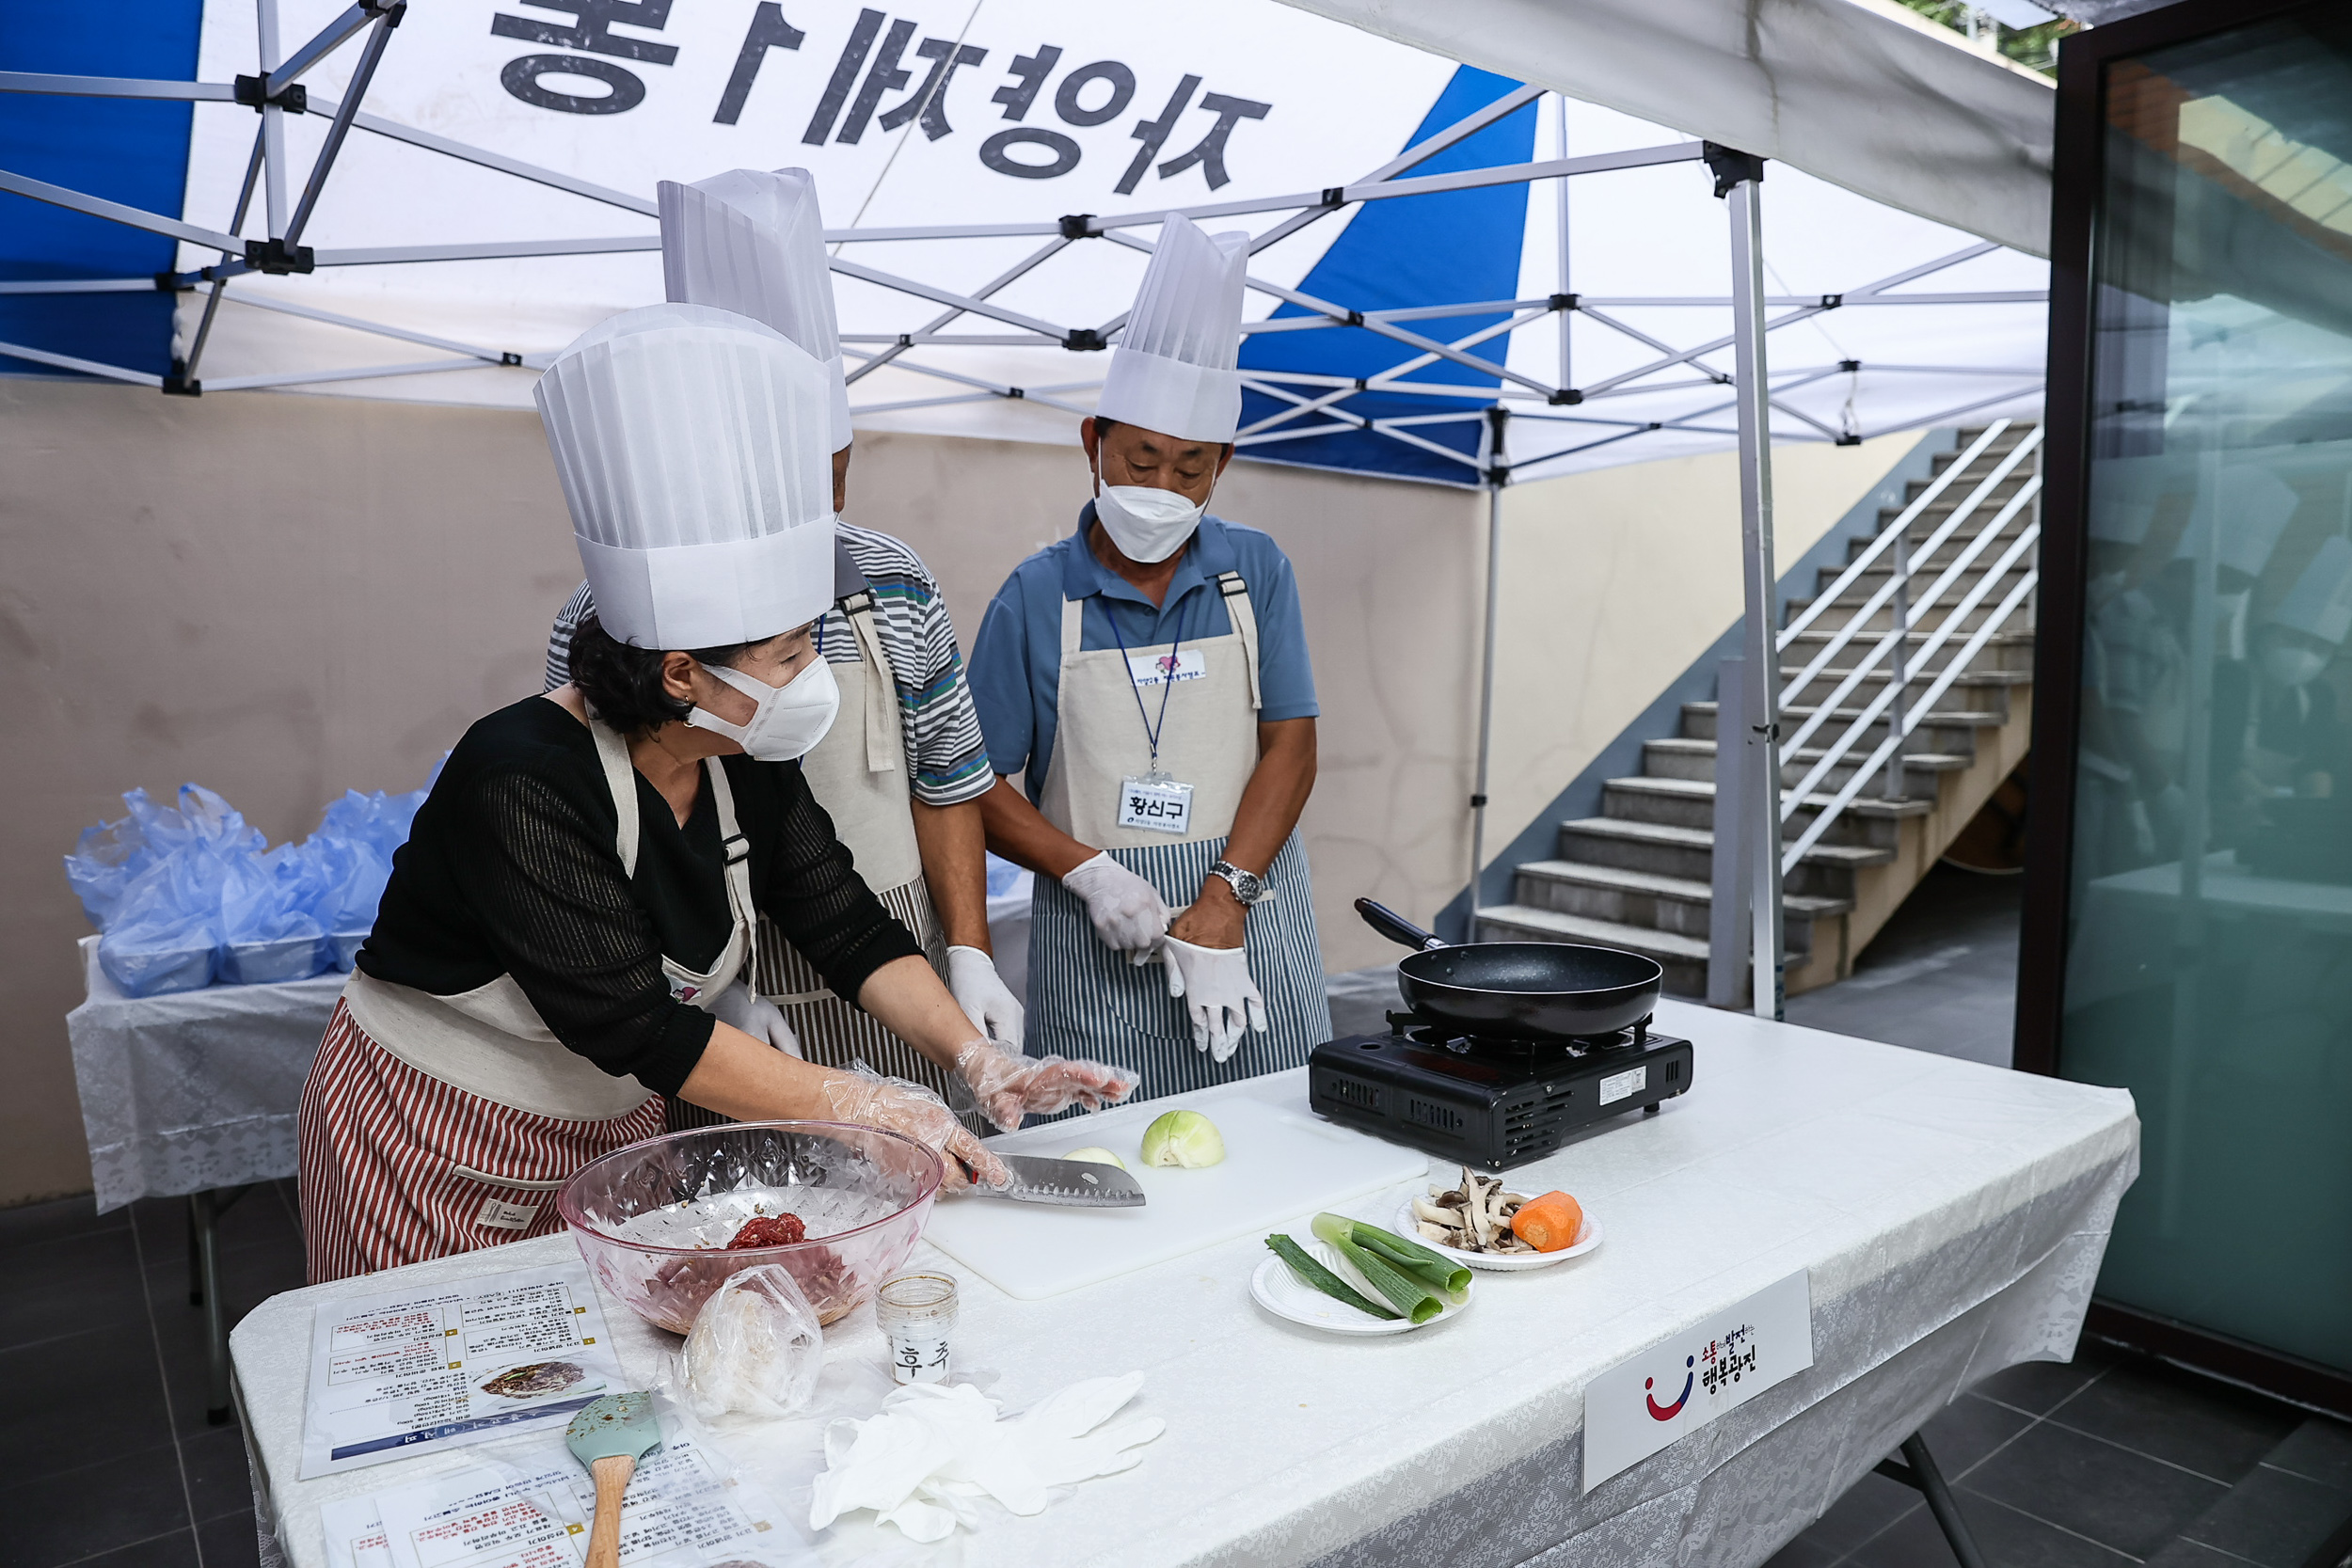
(491, 1042)
(1086, 1000)
(858, 773)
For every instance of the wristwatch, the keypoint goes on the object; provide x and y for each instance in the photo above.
(1247, 885)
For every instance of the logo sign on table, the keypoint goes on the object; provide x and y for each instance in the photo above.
(1666, 1392)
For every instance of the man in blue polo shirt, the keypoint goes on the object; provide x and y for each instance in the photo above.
(1148, 679)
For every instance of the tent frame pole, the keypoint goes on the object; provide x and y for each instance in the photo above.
(1498, 474)
(1739, 178)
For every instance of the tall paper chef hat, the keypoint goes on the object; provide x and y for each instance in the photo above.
(692, 444)
(751, 242)
(1176, 367)
(2320, 603)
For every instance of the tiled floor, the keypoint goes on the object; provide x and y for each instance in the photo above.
(109, 1462)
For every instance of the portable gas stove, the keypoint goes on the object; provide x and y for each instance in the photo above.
(1486, 1103)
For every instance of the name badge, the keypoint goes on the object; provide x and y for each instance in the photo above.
(1151, 669)
(1157, 803)
(506, 1216)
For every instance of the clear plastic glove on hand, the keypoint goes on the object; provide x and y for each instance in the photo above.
(866, 1097)
(756, 1016)
(1219, 996)
(1128, 912)
(1005, 1086)
(981, 993)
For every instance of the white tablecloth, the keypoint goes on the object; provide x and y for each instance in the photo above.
(1951, 1217)
(193, 1090)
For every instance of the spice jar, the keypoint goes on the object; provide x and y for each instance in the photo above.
(918, 1314)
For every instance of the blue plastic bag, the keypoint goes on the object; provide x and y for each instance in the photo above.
(353, 876)
(269, 924)
(165, 933)
(104, 859)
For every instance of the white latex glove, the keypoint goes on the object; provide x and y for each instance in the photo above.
(1128, 912)
(984, 997)
(755, 1016)
(1219, 995)
(1005, 1086)
(1063, 1437)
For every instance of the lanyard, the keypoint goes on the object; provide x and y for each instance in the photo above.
(1151, 731)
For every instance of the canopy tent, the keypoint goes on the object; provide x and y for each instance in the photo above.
(494, 198)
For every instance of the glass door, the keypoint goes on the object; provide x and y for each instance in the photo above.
(2208, 937)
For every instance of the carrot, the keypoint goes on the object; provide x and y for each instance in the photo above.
(1548, 1223)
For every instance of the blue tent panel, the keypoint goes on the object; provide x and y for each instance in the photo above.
(1432, 249)
(131, 151)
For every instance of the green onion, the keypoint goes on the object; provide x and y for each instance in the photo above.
(1407, 1295)
(1312, 1272)
(1414, 1258)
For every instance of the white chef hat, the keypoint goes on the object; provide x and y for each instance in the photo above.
(1176, 369)
(751, 242)
(2320, 603)
(2255, 505)
(693, 446)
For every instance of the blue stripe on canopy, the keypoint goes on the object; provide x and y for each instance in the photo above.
(132, 151)
(1432, 249)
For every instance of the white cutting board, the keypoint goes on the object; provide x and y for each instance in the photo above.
(1280, 1163)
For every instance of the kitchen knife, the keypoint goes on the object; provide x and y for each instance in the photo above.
(1075, 1183)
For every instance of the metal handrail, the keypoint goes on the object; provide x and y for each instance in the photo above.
(1861, 562)
(1887, 535)
(1901, 633)
(1897, 732)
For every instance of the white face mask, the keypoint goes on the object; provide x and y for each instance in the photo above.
(788, 721)
(1147, 523)
(2291, 666)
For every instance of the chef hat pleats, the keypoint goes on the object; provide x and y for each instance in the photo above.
(752, 242)
(2320, 603)
(1176, 367)
(693, 446)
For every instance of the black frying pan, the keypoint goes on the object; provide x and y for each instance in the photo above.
(1522, 990)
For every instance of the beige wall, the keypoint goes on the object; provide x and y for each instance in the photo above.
(283, 598)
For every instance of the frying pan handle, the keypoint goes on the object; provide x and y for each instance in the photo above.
(1393, 926)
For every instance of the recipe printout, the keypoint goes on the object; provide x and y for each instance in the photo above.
(440, 1366)
(531, 1507)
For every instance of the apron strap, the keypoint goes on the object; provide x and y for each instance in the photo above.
(1245, 623)
(1073, 618)
(738, 849)
(620, 777)
(881, 687)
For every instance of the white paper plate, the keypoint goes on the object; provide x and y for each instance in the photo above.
(1587, 1237)
(1284, 1294)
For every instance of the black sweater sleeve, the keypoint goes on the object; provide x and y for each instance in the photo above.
(547, 887)
(818, 901)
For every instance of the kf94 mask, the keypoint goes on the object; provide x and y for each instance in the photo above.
(787, 721)
(1147, 523)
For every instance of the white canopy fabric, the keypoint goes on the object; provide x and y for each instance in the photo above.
(1874, 102)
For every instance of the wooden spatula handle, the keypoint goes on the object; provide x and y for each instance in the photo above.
(604, 1531)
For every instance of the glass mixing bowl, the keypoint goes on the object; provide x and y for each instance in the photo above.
(653, 1220)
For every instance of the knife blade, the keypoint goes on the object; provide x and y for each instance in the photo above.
(1075, 1183)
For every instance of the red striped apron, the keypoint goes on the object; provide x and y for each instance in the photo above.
(398, 1167)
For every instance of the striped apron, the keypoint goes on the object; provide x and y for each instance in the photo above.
(433, 1125)
(858, 773)
(1086, 1000)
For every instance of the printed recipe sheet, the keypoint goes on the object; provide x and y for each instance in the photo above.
(410, 1371)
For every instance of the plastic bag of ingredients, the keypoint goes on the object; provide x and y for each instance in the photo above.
(756, 1349)
(354, 874)
(165, 934)
(269, 927)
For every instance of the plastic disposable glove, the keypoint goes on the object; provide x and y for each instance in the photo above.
(866, 1097)
(1219, 995)
(981, 993)
(1128, 912)
(755, 1016)
(1063, 1436)
(1005, 1086)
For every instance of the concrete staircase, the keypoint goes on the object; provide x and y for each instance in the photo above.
(1637, 876)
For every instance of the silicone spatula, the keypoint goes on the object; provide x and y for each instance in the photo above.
(609, 1437)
